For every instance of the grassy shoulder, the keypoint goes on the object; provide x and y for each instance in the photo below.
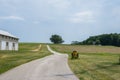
(94, 63)
(11, 59)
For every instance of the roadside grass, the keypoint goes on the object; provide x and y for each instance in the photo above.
(94, 63)
(11, 59)
(28, 46)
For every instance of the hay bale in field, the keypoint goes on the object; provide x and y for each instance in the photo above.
(75, 55)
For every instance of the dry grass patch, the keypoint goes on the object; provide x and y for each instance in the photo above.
(87, 48)
(94, 63)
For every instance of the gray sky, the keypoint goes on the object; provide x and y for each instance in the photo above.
(74, 20)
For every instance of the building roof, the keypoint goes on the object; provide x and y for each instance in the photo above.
(5, 33)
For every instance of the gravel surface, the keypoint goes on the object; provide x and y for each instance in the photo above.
(53, 67)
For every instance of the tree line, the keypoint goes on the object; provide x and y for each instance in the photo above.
(104, 39)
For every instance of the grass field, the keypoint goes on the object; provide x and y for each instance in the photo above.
(11, 59)
(94, 63)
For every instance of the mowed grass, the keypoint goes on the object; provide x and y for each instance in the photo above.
(11, 59)
(94, 63)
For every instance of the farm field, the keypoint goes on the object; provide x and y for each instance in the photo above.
(11, 59)
(94, 63)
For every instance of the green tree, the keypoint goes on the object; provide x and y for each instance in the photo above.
(97, 42)
(104, 39)
(75, 42)
(56, 39)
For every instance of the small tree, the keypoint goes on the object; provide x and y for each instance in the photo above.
(56, 39)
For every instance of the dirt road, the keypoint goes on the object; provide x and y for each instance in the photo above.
(37, 49)
(53, 67)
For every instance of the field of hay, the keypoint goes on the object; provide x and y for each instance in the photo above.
(87, 49)
(94, 63)
(11, 59)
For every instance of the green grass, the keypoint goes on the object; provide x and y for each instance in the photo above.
(28, 46)
(94, 63)
(11, 59)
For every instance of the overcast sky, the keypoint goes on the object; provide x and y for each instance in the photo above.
(74, 20)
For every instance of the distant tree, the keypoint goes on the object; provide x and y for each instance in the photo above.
(56, 39)
(104, 39)
(97, 42)
(75, 42)
(90, 42)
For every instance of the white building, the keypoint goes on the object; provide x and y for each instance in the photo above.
(8, 41)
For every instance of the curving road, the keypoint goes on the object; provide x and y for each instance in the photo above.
(53, 67)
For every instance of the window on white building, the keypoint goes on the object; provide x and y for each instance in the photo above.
(13, 46)
(7, 44)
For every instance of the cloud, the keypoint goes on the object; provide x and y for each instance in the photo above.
(61, 4)
(84, 16)
(12, 18)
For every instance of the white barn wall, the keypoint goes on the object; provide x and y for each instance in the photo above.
(3, 45)
(10, 45)
(7, 37)
(16, 46)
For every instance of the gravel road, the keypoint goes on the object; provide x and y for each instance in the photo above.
(53, 67)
